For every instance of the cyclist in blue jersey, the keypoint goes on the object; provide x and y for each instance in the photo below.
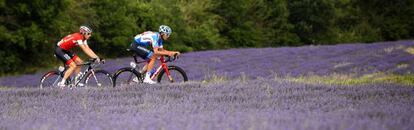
(154, 41)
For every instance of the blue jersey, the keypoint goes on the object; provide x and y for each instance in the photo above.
(149, 39)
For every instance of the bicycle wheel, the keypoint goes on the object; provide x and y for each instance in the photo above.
(98, 78)
(50, 79)
(177, 74)
(127, 76)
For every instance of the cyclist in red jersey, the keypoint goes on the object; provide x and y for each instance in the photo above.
(63, 52)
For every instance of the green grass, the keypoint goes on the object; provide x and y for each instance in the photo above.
(347, 80)
(214, 78)
(410, 50)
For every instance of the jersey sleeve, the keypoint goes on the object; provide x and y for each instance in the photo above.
(160, 43)
(156, 41)
(79, 40)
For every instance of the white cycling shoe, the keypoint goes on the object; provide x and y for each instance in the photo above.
(149, 81)
(61, 85)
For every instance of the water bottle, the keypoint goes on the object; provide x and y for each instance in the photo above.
(79, 76)
(61, 68)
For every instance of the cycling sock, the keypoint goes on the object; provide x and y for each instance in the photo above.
(63, 81)
(147, 76)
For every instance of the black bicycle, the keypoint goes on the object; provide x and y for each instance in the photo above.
(164, 73)
(90, 77)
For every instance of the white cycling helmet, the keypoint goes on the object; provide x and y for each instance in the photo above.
(85, 29)
(165, 29)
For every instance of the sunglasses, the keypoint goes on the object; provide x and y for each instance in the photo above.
(88, 33)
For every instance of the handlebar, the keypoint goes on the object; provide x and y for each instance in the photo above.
(94, 60)
(170, 59)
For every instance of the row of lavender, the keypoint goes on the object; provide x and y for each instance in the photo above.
(238, 104)
(358, 59)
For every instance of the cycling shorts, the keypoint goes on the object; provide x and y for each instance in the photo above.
(142, 52)
(65, 56)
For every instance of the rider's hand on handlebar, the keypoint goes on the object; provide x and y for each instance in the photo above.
(171, 54)
(174, 54)
(99, 60)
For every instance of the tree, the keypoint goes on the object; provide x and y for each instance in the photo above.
(28, 32)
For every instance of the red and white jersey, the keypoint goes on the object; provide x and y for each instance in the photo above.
(71, 41)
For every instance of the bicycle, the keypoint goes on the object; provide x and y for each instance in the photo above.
(90, 77)
(164, 73)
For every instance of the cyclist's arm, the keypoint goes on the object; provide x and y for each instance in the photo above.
(171, 51)
(88, 51)
(161, 51)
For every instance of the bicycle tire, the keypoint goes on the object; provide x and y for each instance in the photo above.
(101, 78)
(176, 72)
(125, 76)
(50, 79)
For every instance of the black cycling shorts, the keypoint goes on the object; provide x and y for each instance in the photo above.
(65, 56)
(142, 52)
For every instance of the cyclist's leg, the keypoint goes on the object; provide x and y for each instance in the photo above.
(144, 69)
(69, 71)
(148, 55)
(150, 66)
(152, 58)
(142, 52)
(78, 61)
(66, 57)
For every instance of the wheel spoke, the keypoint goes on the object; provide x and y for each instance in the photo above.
(99, 78)
(177, 75)
(50, 80)
(126, 76)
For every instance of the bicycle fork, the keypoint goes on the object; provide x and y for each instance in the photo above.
(96, 79)
(165, 67)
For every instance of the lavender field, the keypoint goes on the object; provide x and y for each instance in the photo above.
(349, 86)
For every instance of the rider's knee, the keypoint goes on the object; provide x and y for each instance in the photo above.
(153, 57)
(72, 65)
(79, 61)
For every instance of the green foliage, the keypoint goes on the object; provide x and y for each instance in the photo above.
(313, 20)
(114, 23)
(27, 27)
(30, 29)
(201, 28)
(350, 80)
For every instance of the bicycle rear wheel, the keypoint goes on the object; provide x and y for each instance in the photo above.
(50, 79)
(127, 76)
(177, 75)
(98, 78)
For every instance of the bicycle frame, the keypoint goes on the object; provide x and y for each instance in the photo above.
(82, 78)
(158, 70)
(162, 66)
(90, 71)
(84, 73)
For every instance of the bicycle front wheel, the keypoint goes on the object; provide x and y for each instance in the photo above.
(175, 75)
(98, 78)
(50, 79)
(127, 76)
